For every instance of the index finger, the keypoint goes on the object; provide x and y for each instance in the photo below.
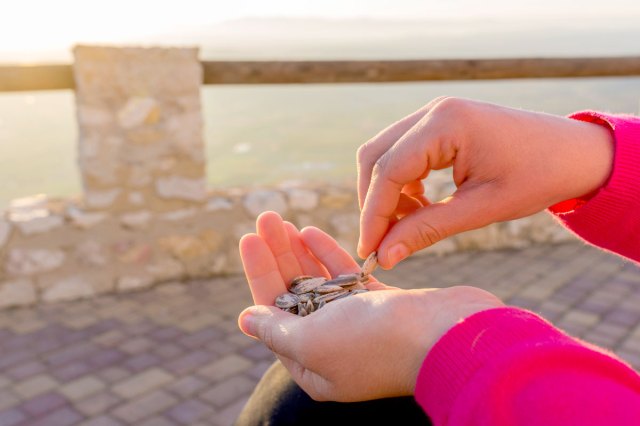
(402, 164)
(418, 151)
(261, 269)
(371, 151)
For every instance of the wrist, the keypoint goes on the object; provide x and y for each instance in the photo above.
(593, 146)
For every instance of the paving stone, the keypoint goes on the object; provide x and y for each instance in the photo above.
(580, 318)
(113, 374)
(200, 338)
(97, 403)
(225, 367)
(165, 333)
(43, 403)
(142, 382)
(187, 386)
(136, 345)
(110, 338)
(66, 355)
(35, 385)
(623, 317)
(70, 371)
(10, 358)
(158, 421)
(169, 351)
(102, 421)
(8, 398)
(227, 391)
(229, 415)
(189, 412)
(257, 352)
(65, 416)
(146, 406)
(257, 371)
(26, 370)
(142, 362)
(190, 362)
(82, 388)
(11, 417)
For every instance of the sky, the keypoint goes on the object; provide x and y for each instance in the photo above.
(41, 25)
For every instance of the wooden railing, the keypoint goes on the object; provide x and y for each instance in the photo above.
(54, 77)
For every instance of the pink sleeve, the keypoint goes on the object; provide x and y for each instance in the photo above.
(611, 218)
(507, 366)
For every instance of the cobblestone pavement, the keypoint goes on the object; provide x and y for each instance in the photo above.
(173, 355)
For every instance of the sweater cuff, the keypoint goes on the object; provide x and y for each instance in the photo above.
(620, 195)
(453, 361)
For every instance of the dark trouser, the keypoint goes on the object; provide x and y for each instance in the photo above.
(278, 400)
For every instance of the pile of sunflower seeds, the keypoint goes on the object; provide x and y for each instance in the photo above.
(307, 294)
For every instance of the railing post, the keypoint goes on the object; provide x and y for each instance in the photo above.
(140, 145)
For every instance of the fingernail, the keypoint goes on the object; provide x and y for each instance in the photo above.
(247, 322)
(397, 252)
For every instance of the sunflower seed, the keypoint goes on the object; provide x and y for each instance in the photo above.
(308, 294)
(370, 264)
(308, 285)
(327, 288)
(287, 300)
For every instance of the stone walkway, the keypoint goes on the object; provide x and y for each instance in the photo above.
(173, 355)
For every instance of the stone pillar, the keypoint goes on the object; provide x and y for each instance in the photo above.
(141, 147)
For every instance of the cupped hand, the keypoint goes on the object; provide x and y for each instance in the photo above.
(362, 347)
(507, 164)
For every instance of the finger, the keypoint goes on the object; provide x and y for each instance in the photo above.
(328, 251)
(309, 263)
(277, 329)
(372, 150)
(465, 210)
(406, 205)
(421, 149)
(261, 270)
(271, 228)
(415, 190)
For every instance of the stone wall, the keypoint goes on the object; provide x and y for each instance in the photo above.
(145, 216)
(52, 250)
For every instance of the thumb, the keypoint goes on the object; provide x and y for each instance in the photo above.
(275, 328)
(464, 210)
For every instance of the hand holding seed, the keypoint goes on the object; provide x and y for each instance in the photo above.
(364, 346)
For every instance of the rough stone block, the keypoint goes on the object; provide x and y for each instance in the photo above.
(136, 220)
(101, 199)
(182, 188)
(5, 232)
(84, 220)
(17, 293)
(303, 199)
(68, 288)
(33, 261)
(219, 203)
(134, 282)
(262, 200)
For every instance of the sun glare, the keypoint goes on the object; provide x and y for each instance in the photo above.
(44, 25)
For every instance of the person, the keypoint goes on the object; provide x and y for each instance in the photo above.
(457, 354)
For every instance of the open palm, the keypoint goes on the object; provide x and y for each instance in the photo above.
(278, 252)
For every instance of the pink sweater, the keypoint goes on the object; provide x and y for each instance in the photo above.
(508, 366)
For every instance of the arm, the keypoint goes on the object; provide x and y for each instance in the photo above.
(506, 366)
(611, 218)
